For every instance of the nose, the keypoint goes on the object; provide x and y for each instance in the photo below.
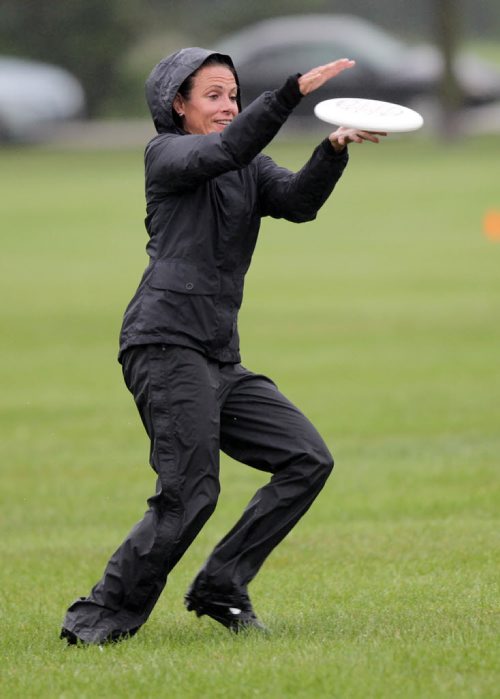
(229, 105)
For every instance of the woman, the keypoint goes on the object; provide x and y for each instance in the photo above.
(207, 188)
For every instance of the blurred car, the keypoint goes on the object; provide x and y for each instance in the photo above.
(34, 96)
(386, 68)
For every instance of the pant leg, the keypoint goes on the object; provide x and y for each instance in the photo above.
(262, 428)
(175, 390)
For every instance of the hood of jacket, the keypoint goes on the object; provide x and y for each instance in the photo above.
(167, 77)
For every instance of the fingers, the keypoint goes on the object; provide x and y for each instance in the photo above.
(371, 135)
(316, 77)
(343, 135)
(335, 67)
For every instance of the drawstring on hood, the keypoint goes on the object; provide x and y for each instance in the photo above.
(166, 78)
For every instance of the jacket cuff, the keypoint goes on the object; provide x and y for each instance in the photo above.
(330, 151)
(290, 95)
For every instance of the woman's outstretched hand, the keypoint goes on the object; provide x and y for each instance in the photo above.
(317, 77)
(344, 135)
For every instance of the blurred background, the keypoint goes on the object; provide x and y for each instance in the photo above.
(379, 319)
(88, 60)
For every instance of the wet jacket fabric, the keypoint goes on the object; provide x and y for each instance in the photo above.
(206, 196)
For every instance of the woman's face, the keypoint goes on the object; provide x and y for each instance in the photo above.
(212, 104)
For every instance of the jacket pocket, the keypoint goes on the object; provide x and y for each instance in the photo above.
(183, 277)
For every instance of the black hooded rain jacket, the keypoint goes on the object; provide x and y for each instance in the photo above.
(206, 195)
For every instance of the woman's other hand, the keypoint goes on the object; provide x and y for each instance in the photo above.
(344, 135)
(317, 77)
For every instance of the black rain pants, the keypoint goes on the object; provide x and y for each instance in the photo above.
(191, 407)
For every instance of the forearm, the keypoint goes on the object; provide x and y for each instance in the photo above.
(298, 196)
(177, 161)
(314, 183)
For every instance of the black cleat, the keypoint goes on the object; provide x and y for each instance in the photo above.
(114, 637)
(234, 618)
(70, 638)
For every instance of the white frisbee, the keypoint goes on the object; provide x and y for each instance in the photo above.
(368, 115)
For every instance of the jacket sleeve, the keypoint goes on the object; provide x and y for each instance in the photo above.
(182, 161)
(299, 196)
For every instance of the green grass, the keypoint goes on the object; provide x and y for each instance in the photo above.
(380, 319)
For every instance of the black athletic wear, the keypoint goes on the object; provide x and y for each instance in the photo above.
(179, 351)
(206, 195)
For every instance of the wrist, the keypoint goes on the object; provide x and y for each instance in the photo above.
(337, 147)
(330, 151)
(289, 95)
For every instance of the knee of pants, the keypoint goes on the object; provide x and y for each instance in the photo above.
(327, 462)
(322, 462)
(198, 498)
(311, 459)
(201, 501)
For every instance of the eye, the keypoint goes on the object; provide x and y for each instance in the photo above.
(234, 98)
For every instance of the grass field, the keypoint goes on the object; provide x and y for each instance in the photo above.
(380, 319)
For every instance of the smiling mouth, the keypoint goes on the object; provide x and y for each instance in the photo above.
(223, 122)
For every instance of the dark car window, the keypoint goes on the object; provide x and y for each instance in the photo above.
(276, 63)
